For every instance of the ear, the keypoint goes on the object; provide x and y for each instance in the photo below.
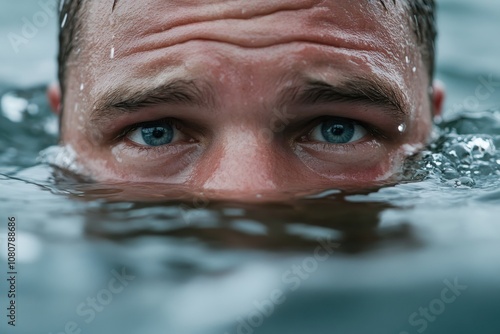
(54, 98)
(438, 97)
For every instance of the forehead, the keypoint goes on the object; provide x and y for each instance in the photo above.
(151, 36)
(146, 16)
(357, 24)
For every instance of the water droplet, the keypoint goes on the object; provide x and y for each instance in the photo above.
(82, 86)
(466, 181)
(112, 55)
(414, 69)
(64, 20)
(402, 127)
(407, 60)
(450, 174)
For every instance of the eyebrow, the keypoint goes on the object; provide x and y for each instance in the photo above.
(313, 92)
(128, 100)
(355, 90)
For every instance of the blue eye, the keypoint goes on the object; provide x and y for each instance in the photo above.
(338, 131)
(156, 135)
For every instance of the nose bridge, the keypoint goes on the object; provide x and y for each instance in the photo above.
(244, 161)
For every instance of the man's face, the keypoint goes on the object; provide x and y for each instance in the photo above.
(245, 97)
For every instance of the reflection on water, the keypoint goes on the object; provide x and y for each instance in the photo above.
(324, 263)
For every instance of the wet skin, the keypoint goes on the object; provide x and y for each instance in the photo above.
(244, 97)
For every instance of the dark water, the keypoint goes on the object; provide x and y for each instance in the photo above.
(422, 256)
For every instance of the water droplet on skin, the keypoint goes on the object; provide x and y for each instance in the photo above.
(112, 55)
(82, 86)
(414, 69)
(407, 60)
(64, 20)
(116, 151)
(402, 127)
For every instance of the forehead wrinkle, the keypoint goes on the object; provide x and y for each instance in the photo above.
(119, 19)
(168, 29)
(229, 9)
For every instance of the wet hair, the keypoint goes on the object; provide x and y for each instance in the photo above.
(423, 19)
(70, 23)
(421, 14)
